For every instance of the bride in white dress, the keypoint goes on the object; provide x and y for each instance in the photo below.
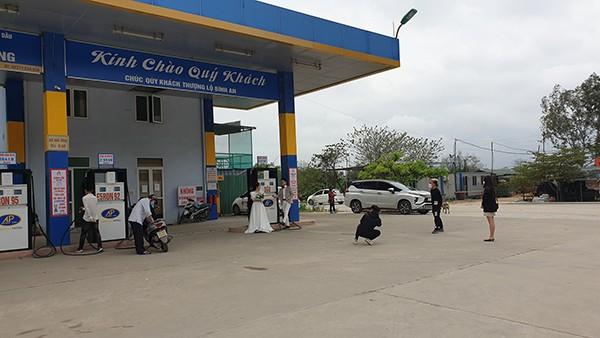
(259, 221)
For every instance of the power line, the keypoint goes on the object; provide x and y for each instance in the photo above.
(513, 148)
(528, 153)
(334, 109)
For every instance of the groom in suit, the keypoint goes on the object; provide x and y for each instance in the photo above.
(285, 202)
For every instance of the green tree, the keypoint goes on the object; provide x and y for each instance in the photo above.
(332, 157)
(561, 167)
(525, 180)
(368, 144)
(310, 180)
(571, 117)
(390, 167)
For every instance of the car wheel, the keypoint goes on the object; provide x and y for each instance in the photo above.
(423, 212)
(404, 207)
(236, 210)
(311, 202)
(356, 206)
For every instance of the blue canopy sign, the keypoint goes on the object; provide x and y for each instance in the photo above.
(94, 62)
(20, 52)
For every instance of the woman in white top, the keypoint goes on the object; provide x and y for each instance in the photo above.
(259, 221)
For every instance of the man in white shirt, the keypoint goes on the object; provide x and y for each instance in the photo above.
(142, 211)
(285, 198)
(90, 220)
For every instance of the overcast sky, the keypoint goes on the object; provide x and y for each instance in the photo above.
(474, 70)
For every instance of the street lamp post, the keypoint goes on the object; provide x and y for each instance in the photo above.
(405, 19)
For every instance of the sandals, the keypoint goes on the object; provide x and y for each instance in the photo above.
(488, 240)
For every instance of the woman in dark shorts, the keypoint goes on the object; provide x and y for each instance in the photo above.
(489, 204)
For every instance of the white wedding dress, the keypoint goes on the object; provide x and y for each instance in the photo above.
(259, 221)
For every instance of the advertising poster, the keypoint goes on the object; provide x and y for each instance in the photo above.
(8, 158)
(58, 192)
(106, 160)
(211, 178)
(294, 182)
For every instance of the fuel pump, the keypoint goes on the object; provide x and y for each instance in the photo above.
(16, 214)
(113, 201)
(267, 178)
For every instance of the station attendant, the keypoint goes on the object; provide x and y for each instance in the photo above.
(90, 220)
(141, 212)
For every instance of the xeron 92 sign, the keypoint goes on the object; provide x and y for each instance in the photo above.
(94, 62)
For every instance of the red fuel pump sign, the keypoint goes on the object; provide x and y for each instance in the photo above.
(9, 200)
(108, 196)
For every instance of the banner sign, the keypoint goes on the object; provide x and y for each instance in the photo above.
(262, 160)
(293, 172)
(57, 143)
(59, 198)
(211, 178)
(20, 52)
(106, 160)
(8, 158)
(94, 62)
(189, 192)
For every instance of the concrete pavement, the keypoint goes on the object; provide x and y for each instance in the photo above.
(539, 279)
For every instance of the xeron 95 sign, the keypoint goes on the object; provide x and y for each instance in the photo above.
(20, 52)
(94, 62)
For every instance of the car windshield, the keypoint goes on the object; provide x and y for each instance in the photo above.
(402, 186)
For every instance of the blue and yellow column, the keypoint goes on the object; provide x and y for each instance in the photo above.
(15, 116)
(210, 157)
(56, 136)
(287, 135)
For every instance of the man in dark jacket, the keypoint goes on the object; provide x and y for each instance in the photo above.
(436, 206)
(368, 223)
(249, 203)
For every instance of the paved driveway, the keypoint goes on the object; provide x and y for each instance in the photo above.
(539, 279)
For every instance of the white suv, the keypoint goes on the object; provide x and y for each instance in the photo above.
(387, 195)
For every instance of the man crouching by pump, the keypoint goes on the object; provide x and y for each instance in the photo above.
(142, 211)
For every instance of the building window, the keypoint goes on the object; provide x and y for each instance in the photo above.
(77, 103)
(148, 109)
(474, 180)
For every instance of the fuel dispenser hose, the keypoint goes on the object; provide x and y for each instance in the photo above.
(36, 252)
(51, 249)
(70, 253)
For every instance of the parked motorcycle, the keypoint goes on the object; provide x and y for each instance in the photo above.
(156, 234)
(194, 212)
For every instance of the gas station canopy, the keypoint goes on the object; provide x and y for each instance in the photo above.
(239, 33)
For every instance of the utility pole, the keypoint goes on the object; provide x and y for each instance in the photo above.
(454, 158)
(492, 157)
(544, 145)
